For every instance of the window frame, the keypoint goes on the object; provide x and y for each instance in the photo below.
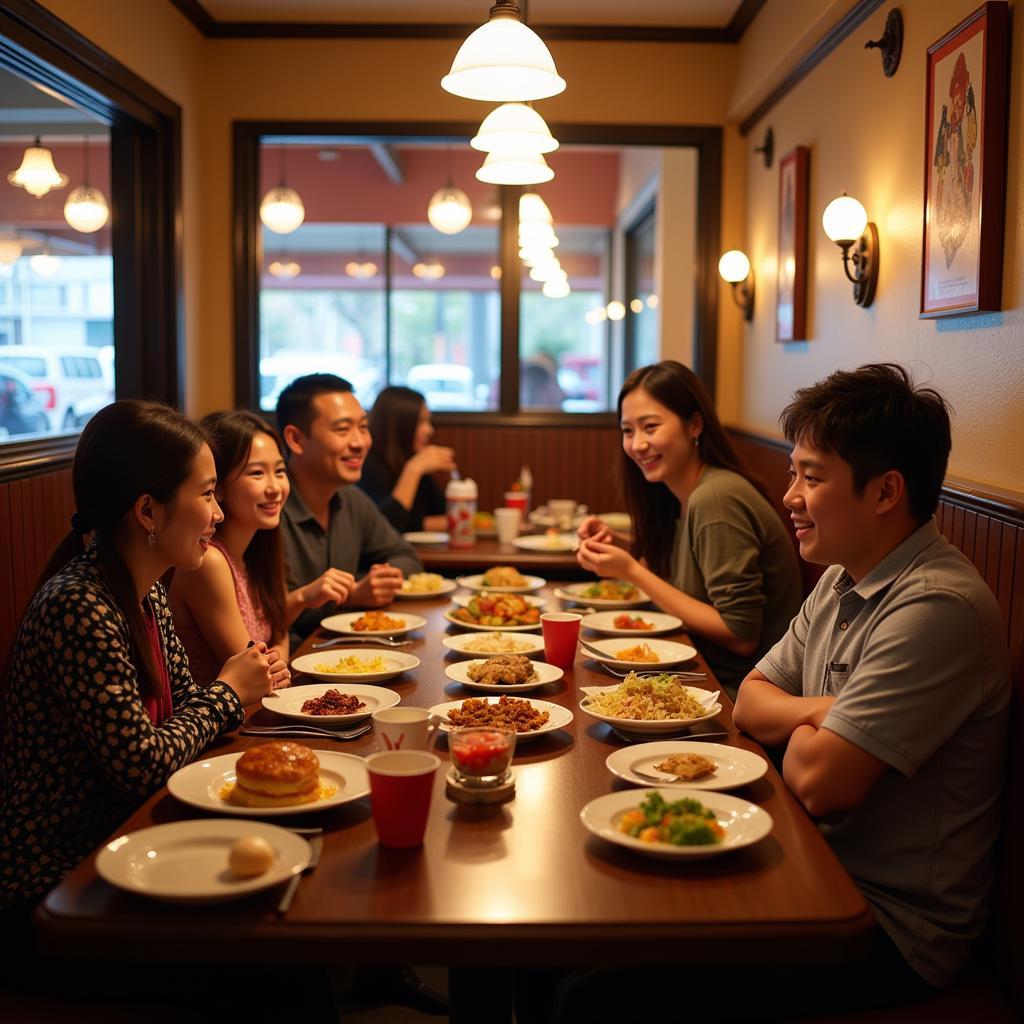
(145, 200)
(248, 254)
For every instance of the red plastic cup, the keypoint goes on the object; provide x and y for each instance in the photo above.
(561, 633)
(517, 499)
(401, 783)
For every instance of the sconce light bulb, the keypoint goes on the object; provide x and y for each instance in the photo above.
(734, 266)
(844, 219)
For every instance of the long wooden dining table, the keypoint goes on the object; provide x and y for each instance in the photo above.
(488, 551)
(494, 887)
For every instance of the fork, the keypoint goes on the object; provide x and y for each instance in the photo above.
(306, 730)
(316, 844)
(386, 641)
(682, 675)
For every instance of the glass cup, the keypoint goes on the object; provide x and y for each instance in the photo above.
(401, 784)
(404, 728)
(507, 522)
(561, 633)
(481, 754)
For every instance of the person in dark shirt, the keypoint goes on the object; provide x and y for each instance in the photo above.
(398, 472)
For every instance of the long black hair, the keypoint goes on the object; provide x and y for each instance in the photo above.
(128, 449)
(653, 507)
(231, 435)
(392, 421)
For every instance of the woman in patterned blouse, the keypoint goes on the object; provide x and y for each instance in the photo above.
(100, 708)
(238, 593)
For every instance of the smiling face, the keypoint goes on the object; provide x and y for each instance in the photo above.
(661, 443)
(256, 491)
(184, 526)
(338, 440)
(424, 430)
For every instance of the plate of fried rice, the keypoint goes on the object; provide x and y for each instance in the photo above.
(653, 704)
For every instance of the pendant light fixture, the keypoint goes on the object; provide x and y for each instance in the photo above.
(556, 288)
(429, 270)
(10, 251)
(515, 169)
(37, 175)
(533, 210)
(44, 263)
(503, 60)
(514, 128)
(86, 209)
(362, 269)
(284, 268)
(281, 209)
(450, 210)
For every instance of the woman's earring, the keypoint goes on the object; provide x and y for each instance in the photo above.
(151, 537)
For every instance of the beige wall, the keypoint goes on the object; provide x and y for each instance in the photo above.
(866, 136)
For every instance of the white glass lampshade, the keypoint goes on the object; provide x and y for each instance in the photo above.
(515, 169)
(615, 310)
(502, 61)
(361, 269)
(734, 266)
(429, 270)
(591, 317)
(549, 270)
(556, 288)
(449, 210)
(285, 268)
(44, 264)
(533, 210)
(516, 128)
(537, 234)
(533, 254)
(10, 251)
(844, 219)
(652, 301)
(281, 210)
(495, 273)
(636, 305)
(37, 175)
(86, 209)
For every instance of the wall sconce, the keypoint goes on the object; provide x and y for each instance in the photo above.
(767, 148)
(890, 44)
(735, 268)
(846, 223)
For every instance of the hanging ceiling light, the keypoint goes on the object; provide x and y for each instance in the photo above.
(516, 128)
(281, 209)
(533, 210)
(10, 251)
(44, 264)
(515, 169)
(450, 210)
(37, 175)
(615, 310)
(538, 234)
(549, 270)
(556, 288)
(531, 254)
(361, 269)
(429, 270)
(285, 268)
(503, 60)
(86, 209)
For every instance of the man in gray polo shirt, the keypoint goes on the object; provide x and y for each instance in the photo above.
(891, 688)
(327, 523)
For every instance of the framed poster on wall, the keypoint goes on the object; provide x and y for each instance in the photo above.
(791, 295)
(965, 166)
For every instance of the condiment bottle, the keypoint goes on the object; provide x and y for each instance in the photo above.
(460, 496)
(526, 485)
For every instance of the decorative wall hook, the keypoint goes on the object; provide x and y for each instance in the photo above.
(891, 43)
(767, 148)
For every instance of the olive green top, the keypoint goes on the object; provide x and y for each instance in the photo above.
(733, 552)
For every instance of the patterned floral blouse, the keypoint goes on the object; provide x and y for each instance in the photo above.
(79, 752)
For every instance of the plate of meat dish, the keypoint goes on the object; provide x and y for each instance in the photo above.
(503, 673)
(529, 717)
(694, 764)
(373, 623)
(502, 579)
(603, 594)
(330, 703)
(631, 623)
(354, 664)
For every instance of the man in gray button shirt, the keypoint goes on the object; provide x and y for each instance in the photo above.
(891, 688)
(327, 523)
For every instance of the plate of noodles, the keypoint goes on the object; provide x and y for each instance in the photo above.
(652, 704)
(485, 644)
(421, 585)
(354, 664)
(330, 703)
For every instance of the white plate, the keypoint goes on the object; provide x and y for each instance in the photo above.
(744, 823)
(640, 726)
(616, 521)
(187, 861)
(604, 622)
(289, 701)
(668, 652)
(426, 537)
(559, 717)
(458, 643)
(462, 600)
(477, 583)
(542, 517)
(492, 629)
(574, 592)
(343, 624)
(734, 766)
(542, 542)
(199, 785)
(447, 586)
(459, 671)
(395, 662)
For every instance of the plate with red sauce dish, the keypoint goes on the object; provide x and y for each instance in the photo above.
(291, 700)
(631, 623)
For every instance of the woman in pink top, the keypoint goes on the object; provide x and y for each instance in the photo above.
(238, 594)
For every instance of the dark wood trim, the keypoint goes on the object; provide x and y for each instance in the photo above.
(821, 49)
(508, 352)
(574, 420)
(23, 459)
(214, 29)
(707, 140)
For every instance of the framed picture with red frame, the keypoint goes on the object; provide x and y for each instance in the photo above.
(965, 165)
(791, 294)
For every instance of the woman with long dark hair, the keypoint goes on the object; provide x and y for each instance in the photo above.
(238, 593)
(398, 471)
(707, 545)
(100, 708)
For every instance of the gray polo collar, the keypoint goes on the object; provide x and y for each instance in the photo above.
(297, 510)
(892, 565)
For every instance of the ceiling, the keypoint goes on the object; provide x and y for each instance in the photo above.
(27, 109)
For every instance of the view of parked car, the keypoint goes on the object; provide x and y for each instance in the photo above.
(278, 370)
(20, 409)
(445, 386)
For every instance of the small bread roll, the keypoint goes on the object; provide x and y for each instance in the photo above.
(251, 856)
